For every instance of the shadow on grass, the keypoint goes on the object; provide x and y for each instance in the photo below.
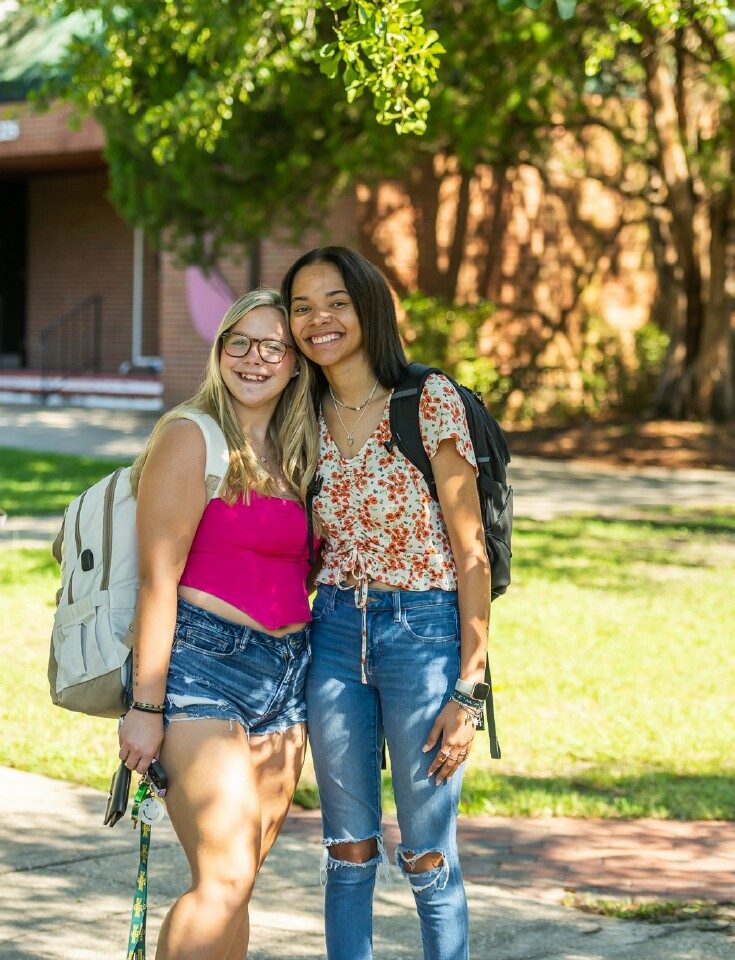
(37, 484)
(592, 793)
(607, 553)
(599, 792)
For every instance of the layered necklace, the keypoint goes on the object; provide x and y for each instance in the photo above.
(360, 408)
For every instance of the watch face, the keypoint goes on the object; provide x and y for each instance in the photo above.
(481, 691)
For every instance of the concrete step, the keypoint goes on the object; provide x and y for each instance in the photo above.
(111, 391)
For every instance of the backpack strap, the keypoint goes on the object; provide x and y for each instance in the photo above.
(218, 455)
(405, 426)
(490, 711)
(312, 491)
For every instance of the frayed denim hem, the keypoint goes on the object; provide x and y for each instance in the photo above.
(380, 860)
(437, 877)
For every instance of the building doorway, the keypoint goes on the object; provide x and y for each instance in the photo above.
(13, 269)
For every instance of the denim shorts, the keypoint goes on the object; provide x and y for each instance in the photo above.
(225, 671)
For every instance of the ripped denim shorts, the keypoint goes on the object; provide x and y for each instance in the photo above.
(225, 671)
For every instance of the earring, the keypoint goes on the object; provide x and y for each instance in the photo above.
(296, 372)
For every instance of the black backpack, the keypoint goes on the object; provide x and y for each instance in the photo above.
(496, 495)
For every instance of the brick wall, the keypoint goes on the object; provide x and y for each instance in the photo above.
(79, 247)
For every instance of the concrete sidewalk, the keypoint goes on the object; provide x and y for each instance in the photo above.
(67, 884)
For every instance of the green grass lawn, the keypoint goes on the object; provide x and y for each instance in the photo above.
(612, 656)
(45, 483)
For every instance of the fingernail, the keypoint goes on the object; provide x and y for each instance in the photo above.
(425, 748)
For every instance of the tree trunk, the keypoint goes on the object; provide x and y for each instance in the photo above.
(712, 386)
(459, 234)
(693, 385)
(424, 188)
(680, 193)
(494, 232)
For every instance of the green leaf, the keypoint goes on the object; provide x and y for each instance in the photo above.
(566, 8)
(509, 6)
(534, 4)
(329, 68)
(514, 99)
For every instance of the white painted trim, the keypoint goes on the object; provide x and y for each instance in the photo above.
(91, 385)
(138, 360)
(82, 400)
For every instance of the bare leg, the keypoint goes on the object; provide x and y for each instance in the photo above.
(277, 759)
(214, 805)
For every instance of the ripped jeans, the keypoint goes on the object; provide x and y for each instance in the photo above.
(222, 670)
(411, 668)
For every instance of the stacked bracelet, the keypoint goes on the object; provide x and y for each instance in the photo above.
(147, 707)
(473, 708)
(467, 701)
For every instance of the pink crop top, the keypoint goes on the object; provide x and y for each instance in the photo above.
(254, 556)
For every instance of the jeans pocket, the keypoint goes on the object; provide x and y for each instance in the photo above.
(205, 639)
(431, 623)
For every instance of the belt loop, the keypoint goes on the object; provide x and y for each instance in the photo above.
(396, 606)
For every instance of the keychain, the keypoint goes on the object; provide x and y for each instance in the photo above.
(151, 810)
(148, 806)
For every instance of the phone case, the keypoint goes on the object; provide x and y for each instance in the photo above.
(117, 802)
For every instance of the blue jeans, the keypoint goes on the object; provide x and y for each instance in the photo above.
(412, 666)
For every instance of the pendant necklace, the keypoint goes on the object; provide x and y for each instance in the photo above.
(362, 407)
(266, 456)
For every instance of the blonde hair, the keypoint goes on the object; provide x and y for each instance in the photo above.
(292, 432)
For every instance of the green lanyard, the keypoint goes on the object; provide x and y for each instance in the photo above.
(136, 940)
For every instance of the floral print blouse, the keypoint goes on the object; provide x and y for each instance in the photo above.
(378, 517)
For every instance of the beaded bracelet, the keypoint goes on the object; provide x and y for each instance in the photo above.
(147, 707)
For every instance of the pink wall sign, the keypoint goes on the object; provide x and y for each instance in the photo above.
(208, 296)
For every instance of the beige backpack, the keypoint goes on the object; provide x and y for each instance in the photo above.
(97, 547)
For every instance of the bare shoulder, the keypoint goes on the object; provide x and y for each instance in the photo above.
(178, 449)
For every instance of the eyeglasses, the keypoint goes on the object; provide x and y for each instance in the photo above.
(238, 345)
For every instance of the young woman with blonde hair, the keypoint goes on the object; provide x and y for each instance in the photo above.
(221, 632)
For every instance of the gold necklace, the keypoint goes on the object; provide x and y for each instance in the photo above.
(338, 402)
(266, 456)
(363, 407)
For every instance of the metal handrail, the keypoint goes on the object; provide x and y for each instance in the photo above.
(71, 343)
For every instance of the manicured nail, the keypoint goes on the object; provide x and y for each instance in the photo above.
(426, 748)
